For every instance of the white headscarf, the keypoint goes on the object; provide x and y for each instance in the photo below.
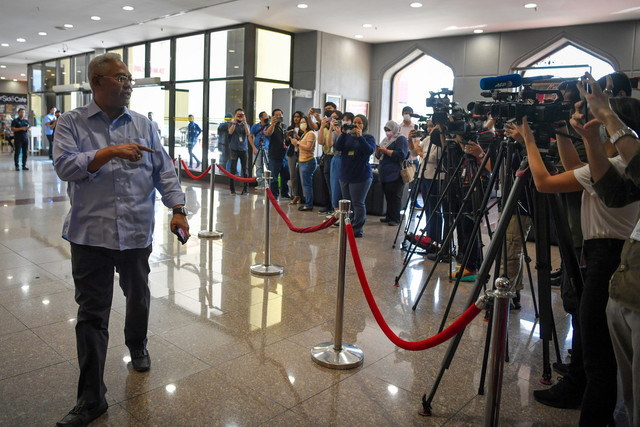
(393, 127)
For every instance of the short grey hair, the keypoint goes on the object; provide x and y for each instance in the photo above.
(99, 61)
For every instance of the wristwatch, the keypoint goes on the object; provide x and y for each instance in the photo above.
(180, 211)
(625, 131)
(481, 156)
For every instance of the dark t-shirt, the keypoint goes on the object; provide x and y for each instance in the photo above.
(21, 135)
(277, 147)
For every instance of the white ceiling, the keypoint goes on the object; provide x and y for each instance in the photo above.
(391, 20)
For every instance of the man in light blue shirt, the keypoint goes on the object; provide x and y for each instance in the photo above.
(49, 125)
(113, 162)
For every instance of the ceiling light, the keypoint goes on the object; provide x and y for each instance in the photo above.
(68, 25)
(367, 25)
(232, 51)
(416, 4)
(359, 36)
(530, 6)
(127, 8)
(303, 6)
(4, 44)
(21, 40)
(478, 31)
(42, 33)
(95, 18)
(15, 80)
(2, 78)
(3, 66)
(23, 75)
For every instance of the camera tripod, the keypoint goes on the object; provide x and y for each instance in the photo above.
(262, 155)
(544, 205)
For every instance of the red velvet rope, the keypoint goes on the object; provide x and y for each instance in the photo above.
(456, 327)
(192, 176)
(322, 226)
(235, 177)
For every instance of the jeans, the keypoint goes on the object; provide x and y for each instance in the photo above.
(277, 170)
(326, 171)
(602, 257)
(235, 155)
(20, 147)
(334, 180)
(306, 172)
(357, 193)
(393, 194)
(192, 156)
(50, 139)
(93, 273)
(293, 175)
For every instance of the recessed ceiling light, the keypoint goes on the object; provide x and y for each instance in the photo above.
(53, 75)
(21, 40)
(530, 6)
(232, 51)
(42, 33)
(2, 78)
(23, 75)
(359, 36)
(367, 25)
(416, 4)
(127, 8)
(95, 18)
(4, 44)
(478, 31)
(68, 25)
(3, 66)
(303, 6)
(15, 80)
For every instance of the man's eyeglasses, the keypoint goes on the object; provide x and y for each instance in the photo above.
(122, 79)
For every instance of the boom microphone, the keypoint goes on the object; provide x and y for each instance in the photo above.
(501, 82)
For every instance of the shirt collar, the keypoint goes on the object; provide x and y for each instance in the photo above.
(93, 109)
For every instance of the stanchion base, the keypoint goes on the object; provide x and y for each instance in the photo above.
(210, 234)
(267, 270)
(348, 357)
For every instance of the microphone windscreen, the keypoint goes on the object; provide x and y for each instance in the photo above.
(501, 82)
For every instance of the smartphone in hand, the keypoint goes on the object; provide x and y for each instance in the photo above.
(182, 237)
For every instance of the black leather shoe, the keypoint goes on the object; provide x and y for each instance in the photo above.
(82, 415)
(24, 168)
(564, 395)
(140, 360)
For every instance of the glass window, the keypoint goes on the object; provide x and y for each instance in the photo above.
(49, 75)
(227, 53)
(190, 57)
(273, 55)
(65, 71)
(188, 101)
(35, 77)
(119, 51)
(161, 60)
(151, 99)
(135, 60)
(412, 83)
(573, 57)
(80, 65)
(224, 97)
(264, 95)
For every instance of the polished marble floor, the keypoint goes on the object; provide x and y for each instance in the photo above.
(232, 349)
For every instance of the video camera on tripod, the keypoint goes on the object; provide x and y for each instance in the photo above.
(452, 116)
(530, 102)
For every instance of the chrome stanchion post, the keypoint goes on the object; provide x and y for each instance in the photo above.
(266, 269)
(339, 355)
(179, 169)
(501, 298)
(210, 233)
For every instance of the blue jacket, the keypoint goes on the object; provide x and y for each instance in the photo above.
(389, 167)
(356, 152)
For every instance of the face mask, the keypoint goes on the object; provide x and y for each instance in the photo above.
(406, 117)
(303, 127)
(346, 123)
(389, 134)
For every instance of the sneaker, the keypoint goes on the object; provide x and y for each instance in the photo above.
(140, 360)
(417, 206)
(233, 193)
(446, 258)
(556, 273)
(564, 395)
(561, 368)
(467, 275)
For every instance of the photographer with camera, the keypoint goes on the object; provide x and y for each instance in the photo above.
(306, 145)
(406, 126)
(239, 139)
(314, 115)
(355, 173)
(277, 155)
(293, 131)
(391, 152)
(619, 189)
(261, 142)
(605, 230)
(327, 136)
